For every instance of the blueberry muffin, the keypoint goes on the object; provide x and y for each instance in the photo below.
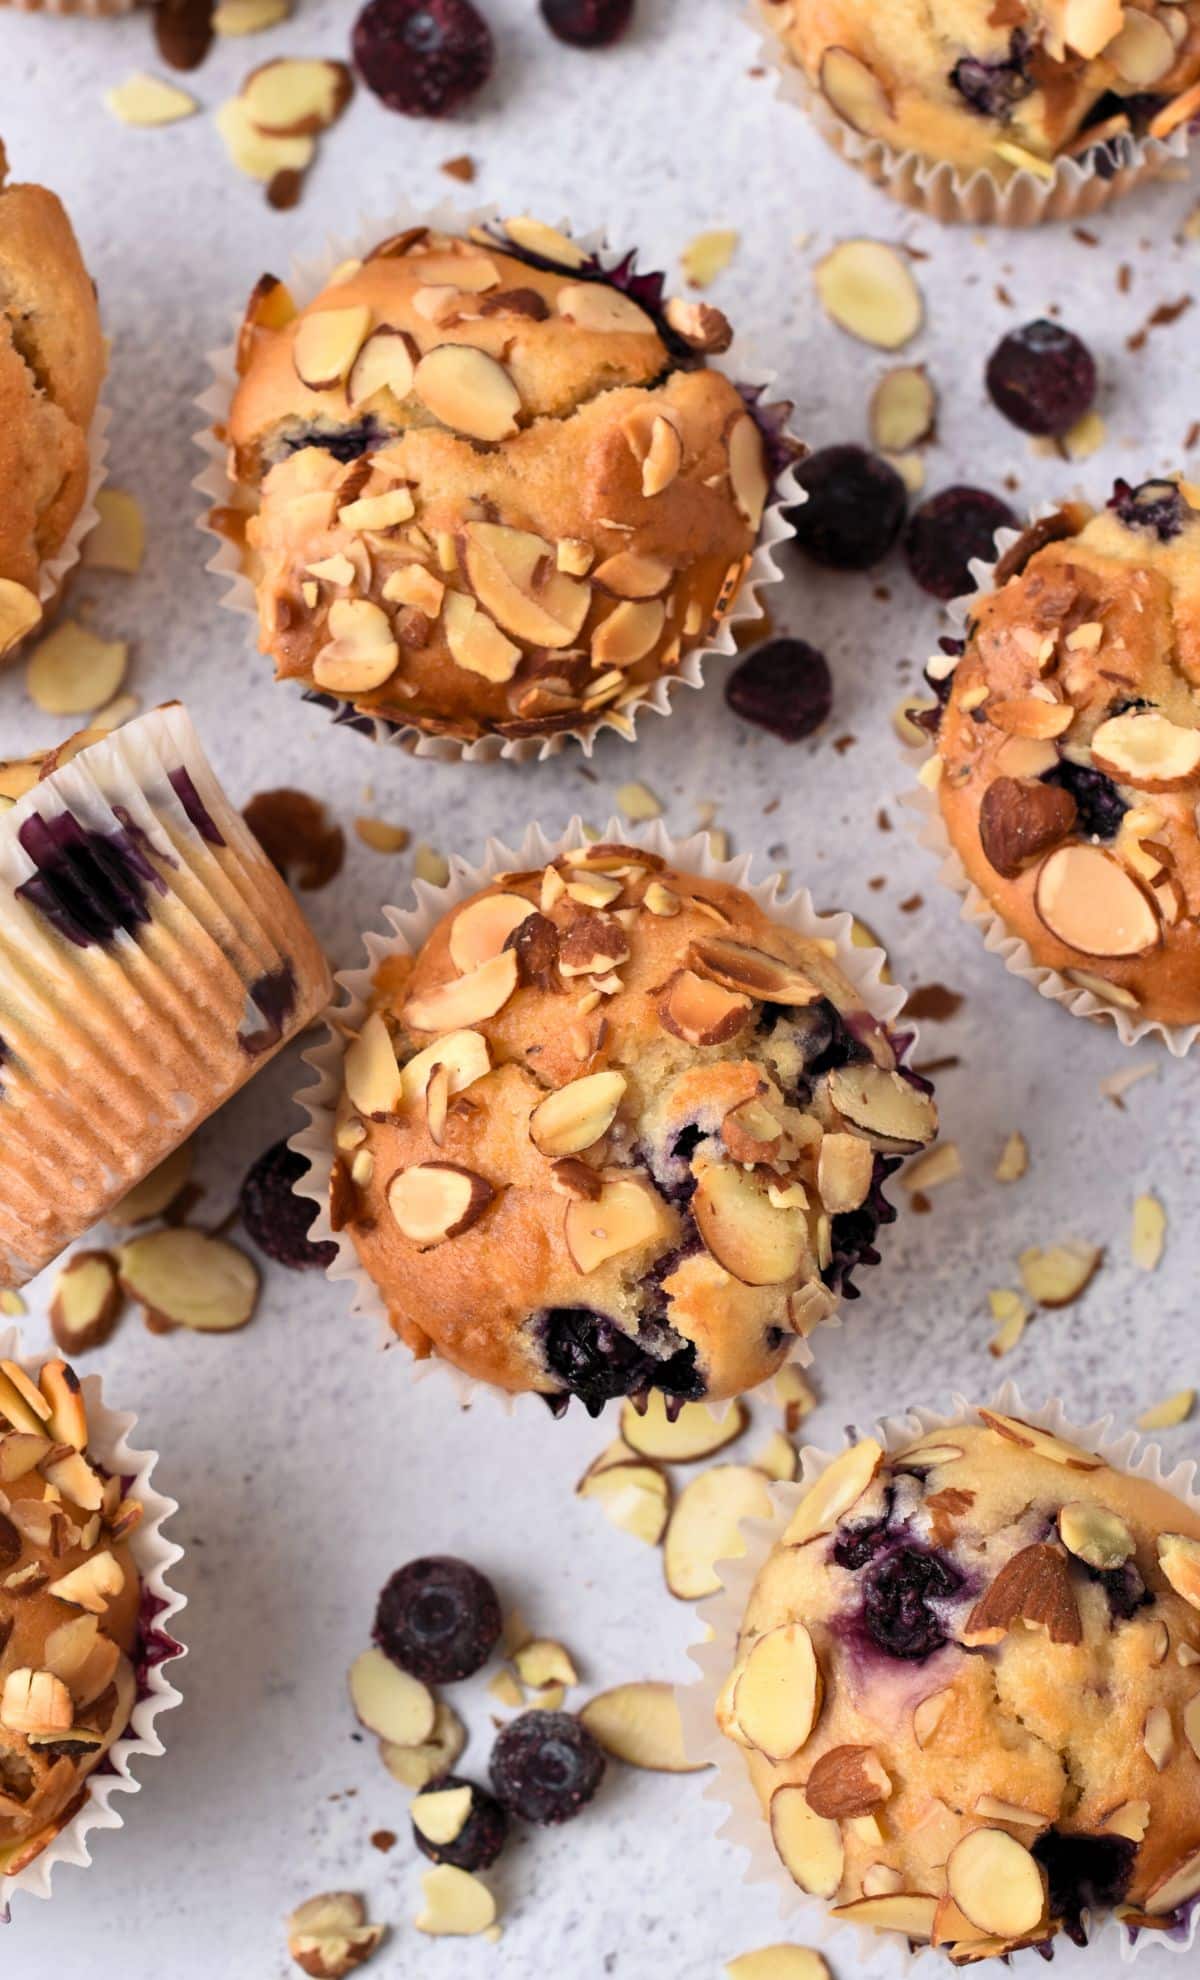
(615, 1129)
(1069, 748)
(69, 1608)
(978, 86)
(51, 366)
(497, 489)
(967, 1685)
(151, 960)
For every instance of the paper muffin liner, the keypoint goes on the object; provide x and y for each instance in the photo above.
(117, 1048)
(730, 1787)
(411, 928)
(978, 198)
(92, 9)
(998, 938)
(307, 278)
(109, 1433)
(54, 573)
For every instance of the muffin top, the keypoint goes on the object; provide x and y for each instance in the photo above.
(497, 489)
(997, 86)
(69, 1600)
(615, 1129)
(51, 365)
(968, 1688)
(1070, 748)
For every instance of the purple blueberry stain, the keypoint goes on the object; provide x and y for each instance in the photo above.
(902, 1581)
(1157, 506)
(273, 998)
(189, 797)
(276, 1218)
(852, 1233)
(90, 886)
(1042, 377)
(995, 88)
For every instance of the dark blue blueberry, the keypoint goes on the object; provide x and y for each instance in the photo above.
(1084, 1873)
(853, 1233)
(345, 443)
(854, 1546)
(587, 23)
(1098, 802)
(897, 1592)
(1042, 377)
(596, 1360)
(546, 1766)
(783, 686)
(90, 886)
(424, 58)
(855, 509)
(1155, 505)
(947, 532)
(1125, 1589)
(276, 1218)
(482, 1836)
(994, 88)
(192, 802)
(274, 995)
(438, 1618)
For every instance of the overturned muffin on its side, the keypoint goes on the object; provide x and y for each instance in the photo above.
(497, 489)
(613, 1129)
(51, 367)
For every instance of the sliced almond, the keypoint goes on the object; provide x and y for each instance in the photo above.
(903, 408)
(468, 391)
(1158, 1738)
(21, 1451)
(147, 101)
(465, 1000)
(457, 1904)
(381, 836)
(778, 1458)
(416, 1765)
(85, 1302)
(701, 326)
(809, 1845)
(1014, 1159)
(390, 1703)
(627, 1215)
(777, 1697)
(845, 1170)
(92, 1585)
(73, 670)
(635, 1497)
(326, 344)
(362, 652)
(386, 362)
(260, 158)
(1030, 1438)
(1143, 52)
(384, 511)
(832, 1495)
(996, 1884)
(1034, 1587)
(855, 91)
(696, 1430)
(476, 642)
(328, 1936)
(481, 929)
(894, 1114)
(20, 613)
(1149, 1232)
(867, 288)
(463, 1056)
(434, 1201)
(707, 255)
(1171, 1411)
(749, 477)
(1091, 903)
(188, 1279)
(702, 1012)
(1147, 750)
(846, 1782)
(640, 1724)
(550, 243)
(1180, 1884)
(1130, 1819)
(35, 1702)
(936, 1166)
(1058, 1274)
(1095, 1535)
(576, 1116)
(515, 577)
(28, 1415)
(909, 1912)
(292, 97)
(1191, 1724)
(63, 1411)
(1179, 1559)
(237, 17)
(542, 1661)
(629, 633)
(705, 1527)
(755, 972)
(369, 1070)
(596, 306)
(442, 1814)
(742, 1229)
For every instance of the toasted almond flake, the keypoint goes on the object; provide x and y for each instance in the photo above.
(778, 1458)
(707, 255)
(506, 1691)
(779, 1962)
(72, 671)
(637, 803)
(12, 1304)
(1149, 1232)
(382, 837)
(1014, 1159)
(297, 97)
(830, 1497)
(718, 843)
(237, 17)
(937, 1165)
(85, 1302)
(903, 409)
(1011, 1316)
(639, 1724)
(189, 1279)
(20, 612)
(1158, 1737)
(431, 866)
(118, 540)
(699, 1430)
(1059, 1274)
(388, 1702)
(258, 156)
(910, 467)
(457, 1904)
(145, 101)
(1171, 1411)
(867, 288)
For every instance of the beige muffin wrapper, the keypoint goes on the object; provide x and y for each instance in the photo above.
(92, 9)
(951, 194)
(730, 1787)
(307, 278)
(109, 1433)
(998, 938)
(148, 1023)
(55, 572)
(411, 927)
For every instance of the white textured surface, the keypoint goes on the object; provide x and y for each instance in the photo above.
(306, 1466)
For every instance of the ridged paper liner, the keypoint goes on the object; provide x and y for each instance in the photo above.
(950, 193)
(978, 910)
(730, 1787)
(307, 278)
(155, 1556)
(146, 1022)
(411, 928)
(54, 572)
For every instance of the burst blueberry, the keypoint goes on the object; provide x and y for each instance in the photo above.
(1158, 506)
(995, 88)
(898, 1593)
(855, 509)
(438, 1618)
(546, 1767)
(1042, 378)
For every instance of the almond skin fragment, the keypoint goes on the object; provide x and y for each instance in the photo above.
(1021, 821)
(1033, 1587)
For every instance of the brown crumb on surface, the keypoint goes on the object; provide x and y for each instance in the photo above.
(883, 593)
(933, 1001)
(1002, 296)
(919, 1202)
(1124, 278)
(1086, 236)
(1192, 436)
(913, 902)
(877, 881)
(462, 167)
(882, 820)
(843, 743)
(1158, 319)
(384, 1839)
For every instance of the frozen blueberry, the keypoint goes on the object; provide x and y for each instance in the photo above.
(587, 23)
(276, 1218)
(546, 1766)
(90, 886)
(855, 509)
(438, 1618)
(422, 57)
(994, 88)
(1098, 803)
(1042, 378)
(784, 686)
(947, 532)
(1156, 505)
(897, 1593)
(1084, 1873)
(482, 1835)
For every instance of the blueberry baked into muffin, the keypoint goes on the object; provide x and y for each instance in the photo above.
(967, 1685)
(615, 1129)
(1069, 748)
(151, 960)
(497, 488)
(1000, 88)
(69, 1608)
(51, 367)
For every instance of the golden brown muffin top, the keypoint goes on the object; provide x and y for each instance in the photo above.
(615, 1128)
(968, 1689)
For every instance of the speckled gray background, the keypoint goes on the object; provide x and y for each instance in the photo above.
(307, 1465)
